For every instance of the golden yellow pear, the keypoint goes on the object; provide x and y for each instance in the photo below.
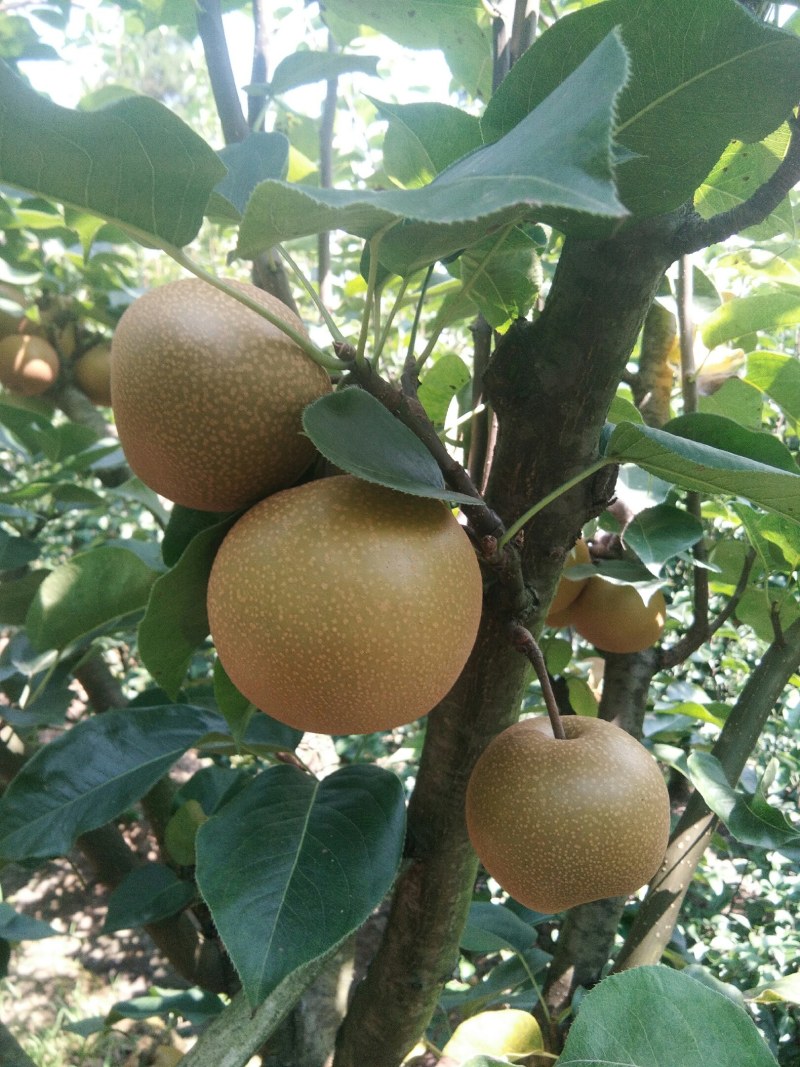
(502, 1032)
(343, 607)
(618, 618)
(208, 395)
(561, 822)
(92, 373)
(28, 365)
(568, 590)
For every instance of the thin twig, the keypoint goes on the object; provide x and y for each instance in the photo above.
(696, 635)
(326, 130)
(525, 642)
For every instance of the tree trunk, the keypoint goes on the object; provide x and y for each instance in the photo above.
(551, 383)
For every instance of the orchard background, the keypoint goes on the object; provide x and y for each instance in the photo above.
(562, 283)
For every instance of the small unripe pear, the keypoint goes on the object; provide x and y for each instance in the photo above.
(561, 822)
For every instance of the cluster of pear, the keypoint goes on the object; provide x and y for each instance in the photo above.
(336, 605)
(612, 617)
(30, 364)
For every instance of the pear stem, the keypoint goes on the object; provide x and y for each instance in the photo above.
(526, 643)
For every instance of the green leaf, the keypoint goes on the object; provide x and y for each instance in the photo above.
(705, 469)
(92, 773)
(692, 710)
(458, 27)
(184, 524)
(758, 608)
(175, 622)
(255, 159)
(777, 376)
(623, 410)
(134, 163)
(555, 163)
(748, 314)
(502, 274)
(146, 895)
(97, 589)
(741, 169)
(306, 68)
(784, 990)
(656, 1017)
(657, 534)
(195, 1005)
(749, 817)
(724, 434)
(16, 597)
(737, 400)
(677, 73)
(16, 551)
(446, 377)
(17, 927)
(785, 535)
(293, 865)
(423, 139)
(493, 927)
(356, 433)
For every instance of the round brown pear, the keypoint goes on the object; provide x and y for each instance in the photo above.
(562, 822)
(28, 365)
(342, 607)
(567, 590)
(618, 618)
(208, 395)
(92, 373)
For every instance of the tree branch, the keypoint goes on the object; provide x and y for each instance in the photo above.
(260, 69)
(220, 71)
(696, 233)
(658, 914)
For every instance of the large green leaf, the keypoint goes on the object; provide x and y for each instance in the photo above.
(291, 865)
(555, 163)
(356, 433)
(134, 163)
(687, 60)
(97, 589)
(704, 468)
(423, 139)
(440, 384)
(748, 314)
(656, 1017)
(748, 816)
(175, 623)
(459, 28)
(92, 773)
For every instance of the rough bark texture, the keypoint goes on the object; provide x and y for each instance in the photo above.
(550, 383)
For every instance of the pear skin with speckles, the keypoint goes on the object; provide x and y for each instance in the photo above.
(562, 822)
(208, 395)
(343, 607)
